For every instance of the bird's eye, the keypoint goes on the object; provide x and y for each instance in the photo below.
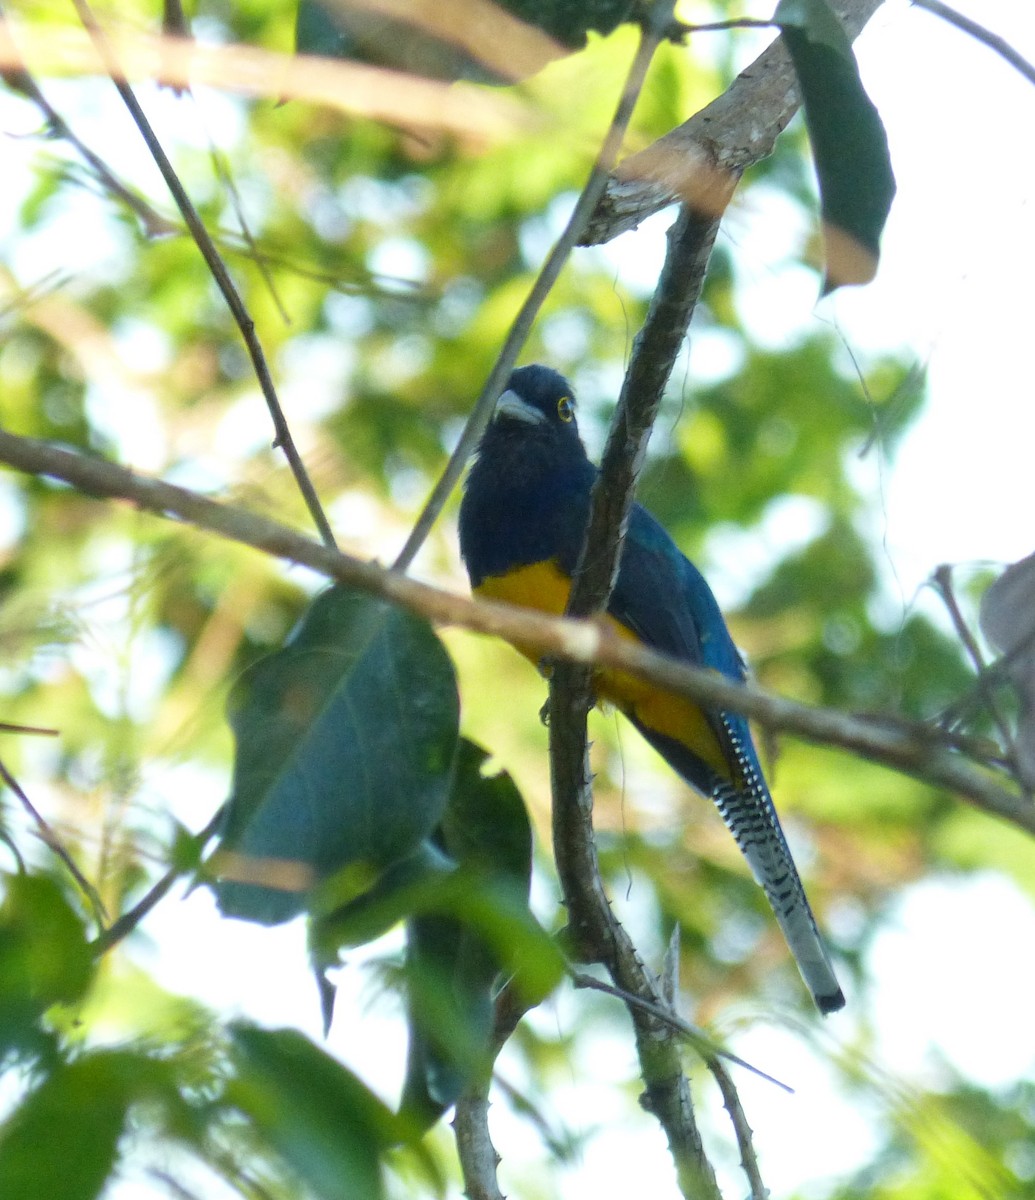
(566, 409)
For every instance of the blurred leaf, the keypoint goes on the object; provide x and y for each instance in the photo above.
(1008, 622)
(326, 1124)
(849, 145)
(463, 39)
(44, 955)
(450, 967)
(345, 747)
(62, 1140)
(485, 824)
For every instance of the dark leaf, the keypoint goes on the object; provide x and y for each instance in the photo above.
(327, 1125)
(849, 144)
(44, 955)
(449, 977)
(453, 961)
(345, 747)
(497, 43)
(486, 823)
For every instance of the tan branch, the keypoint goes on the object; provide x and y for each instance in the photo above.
(702, 160)
(918, 751)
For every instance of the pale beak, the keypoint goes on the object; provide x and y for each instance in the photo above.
(510, 404)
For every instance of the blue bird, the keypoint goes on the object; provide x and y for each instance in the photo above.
(522, 523)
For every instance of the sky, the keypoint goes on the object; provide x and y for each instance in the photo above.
(953, 289)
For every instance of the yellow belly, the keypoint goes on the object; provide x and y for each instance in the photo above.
(545, 587)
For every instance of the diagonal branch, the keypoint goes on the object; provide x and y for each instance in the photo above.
(54, 843)
(702, 160)
(216, 266)
(522, 325)
(913, 749)
(980, 34)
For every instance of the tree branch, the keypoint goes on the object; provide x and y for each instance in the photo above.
(985, 36)
(915, 750)
(702, 160)
(596, 931)
(51, 840)
(131, 919)
(216, 266)
(522, 324)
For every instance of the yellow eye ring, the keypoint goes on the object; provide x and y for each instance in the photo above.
(566, 409)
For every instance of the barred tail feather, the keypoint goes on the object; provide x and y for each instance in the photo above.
(749, 813)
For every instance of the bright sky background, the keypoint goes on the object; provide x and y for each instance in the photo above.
(954, 286)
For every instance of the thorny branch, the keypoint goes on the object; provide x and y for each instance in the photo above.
(596, 932)
(478, 1156)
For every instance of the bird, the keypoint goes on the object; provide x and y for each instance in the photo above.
(522, 523)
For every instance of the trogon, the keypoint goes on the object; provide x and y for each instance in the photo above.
(522, 523)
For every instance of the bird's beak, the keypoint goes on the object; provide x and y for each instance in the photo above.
(510, 404)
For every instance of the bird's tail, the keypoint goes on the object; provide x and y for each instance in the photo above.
(748, 810)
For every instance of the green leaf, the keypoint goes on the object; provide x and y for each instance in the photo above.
(318, 1116)
(63, 1139)
(345, 748)
(453, 960)
(44, 956)
(849, 145)
(486, 822)
(449, 978)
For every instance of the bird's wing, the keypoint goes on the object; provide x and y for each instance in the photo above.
(662, 598)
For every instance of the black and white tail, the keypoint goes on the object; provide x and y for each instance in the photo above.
(749, 813)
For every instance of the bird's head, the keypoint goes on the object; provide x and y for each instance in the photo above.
(537, 401)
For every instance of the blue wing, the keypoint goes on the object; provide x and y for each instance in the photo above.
(662, 597)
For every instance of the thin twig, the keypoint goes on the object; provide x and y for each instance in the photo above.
(681, 29)
(216, 266)
(748, 1157)
(913, 752)
(943, 585)
(51, 840)
(132, 917)
(699, 1038)
(39, 731)
(19, 78)
(985, 36)
(522, 324)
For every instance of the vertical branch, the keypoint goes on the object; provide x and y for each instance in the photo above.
(596, 932)
(216, 266)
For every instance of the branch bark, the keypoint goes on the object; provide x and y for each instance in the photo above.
(701, 161)
(596, 932)
(913, 749)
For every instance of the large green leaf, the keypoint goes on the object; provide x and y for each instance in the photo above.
(345, 747)
(322, 1120)
(849, 145)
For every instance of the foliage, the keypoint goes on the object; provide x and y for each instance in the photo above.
(382, 265)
